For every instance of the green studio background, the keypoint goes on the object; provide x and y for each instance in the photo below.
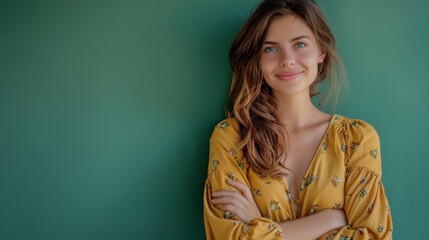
(107, 108)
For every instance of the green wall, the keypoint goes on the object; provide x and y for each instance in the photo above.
(107, 107)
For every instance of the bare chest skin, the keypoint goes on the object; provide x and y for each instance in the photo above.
(302, 148)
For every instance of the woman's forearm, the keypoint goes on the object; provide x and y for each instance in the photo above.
(313, 226)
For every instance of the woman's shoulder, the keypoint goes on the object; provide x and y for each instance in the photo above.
(362, 144)
(354, 127)
(227, 129)
(225, 148)
(227, 123)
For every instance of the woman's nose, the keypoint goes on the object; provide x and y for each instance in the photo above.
(287, 59)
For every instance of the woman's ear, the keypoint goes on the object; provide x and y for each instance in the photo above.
(321, 57)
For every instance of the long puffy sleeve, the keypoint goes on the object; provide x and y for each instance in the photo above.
(227, 161)
(366, 206)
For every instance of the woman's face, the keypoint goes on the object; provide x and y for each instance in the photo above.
(290, 56)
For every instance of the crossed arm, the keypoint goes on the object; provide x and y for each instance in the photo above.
(243, 206)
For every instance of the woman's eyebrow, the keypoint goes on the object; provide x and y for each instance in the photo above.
(292, 40)
(300, 37)
(271, 42)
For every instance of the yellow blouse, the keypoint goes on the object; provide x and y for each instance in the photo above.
(345, 173)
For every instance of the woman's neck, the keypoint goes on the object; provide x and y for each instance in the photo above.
(298, 111)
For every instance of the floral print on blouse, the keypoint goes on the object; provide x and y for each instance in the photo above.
(345, 173)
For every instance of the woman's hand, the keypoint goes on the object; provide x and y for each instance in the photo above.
(241, 203)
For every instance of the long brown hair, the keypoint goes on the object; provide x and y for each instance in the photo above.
(264, 138)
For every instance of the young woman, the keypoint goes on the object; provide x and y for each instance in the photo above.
(279, 167)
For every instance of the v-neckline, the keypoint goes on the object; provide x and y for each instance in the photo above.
(286, 185)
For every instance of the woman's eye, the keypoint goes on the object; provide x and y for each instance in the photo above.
(269, 49)
(300, 45)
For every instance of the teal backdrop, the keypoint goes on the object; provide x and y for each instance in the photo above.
(107, 107)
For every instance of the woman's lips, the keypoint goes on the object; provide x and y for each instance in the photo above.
(289, 75)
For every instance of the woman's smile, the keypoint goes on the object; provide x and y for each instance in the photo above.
(290, 75)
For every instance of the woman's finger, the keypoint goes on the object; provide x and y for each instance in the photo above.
(240, 203)
(244, 189)
(230, 200)
(240, 214)
(229, 193)
(232, 197)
